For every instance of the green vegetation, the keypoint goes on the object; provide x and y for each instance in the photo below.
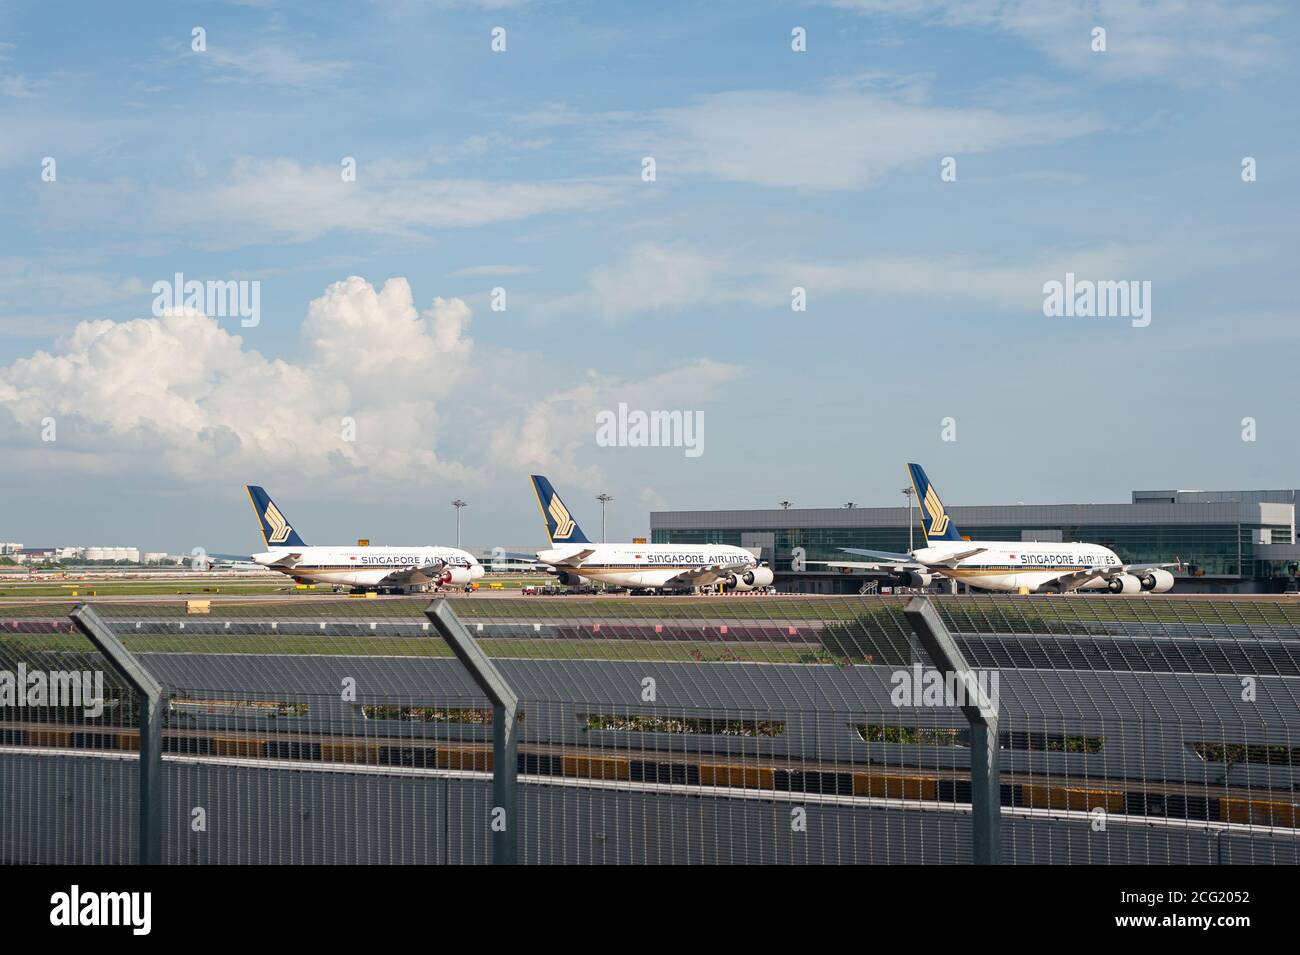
(911, 735)
(430, 714)
(1259, 754)
(670, 724)
(874, 639)
(183, 707)
(948, 736)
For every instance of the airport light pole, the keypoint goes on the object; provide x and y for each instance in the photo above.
(785, 505)
(458, 504)
(604, 499)
(909, 491)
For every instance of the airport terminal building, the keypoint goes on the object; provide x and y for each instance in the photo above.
(1229, 541)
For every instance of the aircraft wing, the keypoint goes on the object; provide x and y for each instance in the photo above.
(707, 574)
(574, 559)
(952, 559)
(910, 561)
(1078, 578)
(423, 574)
(884, 555)
(879, 565)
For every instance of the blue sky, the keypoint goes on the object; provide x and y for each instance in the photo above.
(522, 170)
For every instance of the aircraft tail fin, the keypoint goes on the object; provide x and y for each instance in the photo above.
(276, 529)
(935, 523)
(561, 528)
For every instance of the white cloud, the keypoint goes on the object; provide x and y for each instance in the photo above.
(652, 500)
(967, 279)
(555, 429)
(1208, 41)
(474, 270)
(16, 86)
(37, 296)
(183, 396)
(284, 200)
(654, 277)
(842, 138)
(268, 64)
(45, 283)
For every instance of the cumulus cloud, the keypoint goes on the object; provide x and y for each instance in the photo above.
(185, 397)
(183, 394)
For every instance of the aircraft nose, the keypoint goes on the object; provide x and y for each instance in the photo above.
(475, 571)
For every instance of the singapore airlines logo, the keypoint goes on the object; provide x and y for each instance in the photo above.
(279, 526)
(564, 524)
(938, 519)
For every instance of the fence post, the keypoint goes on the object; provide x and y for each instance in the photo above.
(505, 728)
(985, 781)
(142, 681)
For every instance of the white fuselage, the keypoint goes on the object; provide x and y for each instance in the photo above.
(371, 566)
(1010, 565)
(645, 565)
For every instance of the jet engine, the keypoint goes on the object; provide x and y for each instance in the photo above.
(910, 578)
(1157, 581)
(452, 574)
(568, 578)
(748, 580)
(1124, 584)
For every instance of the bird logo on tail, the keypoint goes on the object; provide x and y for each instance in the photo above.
(280, 528)
(564, 524)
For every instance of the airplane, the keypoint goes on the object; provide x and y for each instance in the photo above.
(663, 567)
(391, 569)
(1004, 565)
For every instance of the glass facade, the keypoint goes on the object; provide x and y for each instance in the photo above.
(1210, 550)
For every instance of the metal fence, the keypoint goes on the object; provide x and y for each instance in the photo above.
(321, 728)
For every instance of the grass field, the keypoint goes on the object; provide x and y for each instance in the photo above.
(866, 620)
(195, 587)
(307, 605)
(141, 588)
(432, 646)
